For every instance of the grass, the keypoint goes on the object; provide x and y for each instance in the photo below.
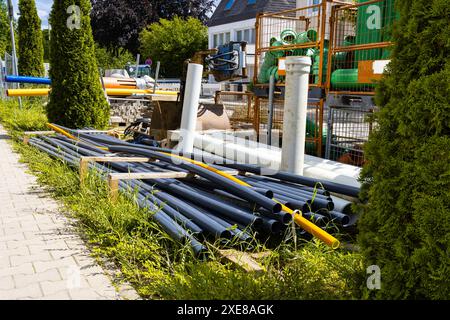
(159, 268)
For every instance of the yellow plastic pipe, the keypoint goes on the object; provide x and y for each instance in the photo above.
(109, 92)
(307, 225)
(27, 92)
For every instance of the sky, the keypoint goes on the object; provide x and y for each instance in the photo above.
(44, 7)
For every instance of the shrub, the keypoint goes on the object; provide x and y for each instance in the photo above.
(77, 99)
(172, 42)
(405, 227)
(107, 60)
(31, 50)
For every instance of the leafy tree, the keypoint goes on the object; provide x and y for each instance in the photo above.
(405, 227)
(77, 98)
(107, 60)
(31, 51)
(172, 42)
(118, 23)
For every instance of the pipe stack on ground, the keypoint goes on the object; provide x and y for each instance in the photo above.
(212, 205)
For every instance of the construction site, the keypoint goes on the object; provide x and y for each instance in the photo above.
(235, 162)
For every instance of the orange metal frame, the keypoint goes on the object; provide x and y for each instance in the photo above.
(335, 49)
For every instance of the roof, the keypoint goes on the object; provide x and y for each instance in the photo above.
(241, 10)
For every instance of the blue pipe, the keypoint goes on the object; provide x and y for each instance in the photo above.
(31, 80)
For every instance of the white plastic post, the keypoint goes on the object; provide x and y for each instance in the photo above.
(190, 107)
(295, 113)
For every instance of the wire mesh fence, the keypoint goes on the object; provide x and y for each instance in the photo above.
(348, 130)
(297, 32)
(315, 138)
(239, 107)
(360, 45)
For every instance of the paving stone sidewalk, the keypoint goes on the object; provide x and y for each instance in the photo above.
(41, 256)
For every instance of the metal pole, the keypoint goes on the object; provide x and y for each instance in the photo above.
(295, 113)
(158, 65)
(138, 58)
(270, 121)
(13, 43)
(13, 40)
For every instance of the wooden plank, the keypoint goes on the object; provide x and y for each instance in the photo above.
(115, 159)
(150, 175)
(113, 189)
(241, 259)
(84, 163)
(35, 133)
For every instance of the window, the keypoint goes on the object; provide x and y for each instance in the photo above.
(239, 36)
(221, 38)
(247, 35)
(229, 4)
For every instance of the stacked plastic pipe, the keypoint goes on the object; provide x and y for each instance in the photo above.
(213, 205)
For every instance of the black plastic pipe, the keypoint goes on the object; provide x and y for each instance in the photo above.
(285, 176)
(228, 185)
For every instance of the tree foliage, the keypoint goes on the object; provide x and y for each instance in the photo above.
(107, 60)
(172, 42)
(118, 23)
(46, 44)
(30, 51)
(405, 227)
(5, 34)
(77, 98)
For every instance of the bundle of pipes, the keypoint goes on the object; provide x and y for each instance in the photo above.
(214, 204)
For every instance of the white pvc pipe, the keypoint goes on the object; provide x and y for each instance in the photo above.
(190, 106)
(236, 149)
(295, 113)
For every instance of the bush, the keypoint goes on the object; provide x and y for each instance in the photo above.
(405, 227)
(77, 99)
(107, 60)
(31, 50)
(172, 42)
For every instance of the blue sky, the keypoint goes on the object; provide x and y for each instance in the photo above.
(44, 7)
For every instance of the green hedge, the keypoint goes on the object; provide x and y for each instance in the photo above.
(31, 50)
(77, 98)
(405, 227)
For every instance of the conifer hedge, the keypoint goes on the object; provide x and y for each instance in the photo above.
(405, 227)
(76, 99)
(31, 50)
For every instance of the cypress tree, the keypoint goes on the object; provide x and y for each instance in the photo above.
(31, 50)
(405, 227)
(76, 99)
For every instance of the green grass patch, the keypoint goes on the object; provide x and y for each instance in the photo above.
(160, 268)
